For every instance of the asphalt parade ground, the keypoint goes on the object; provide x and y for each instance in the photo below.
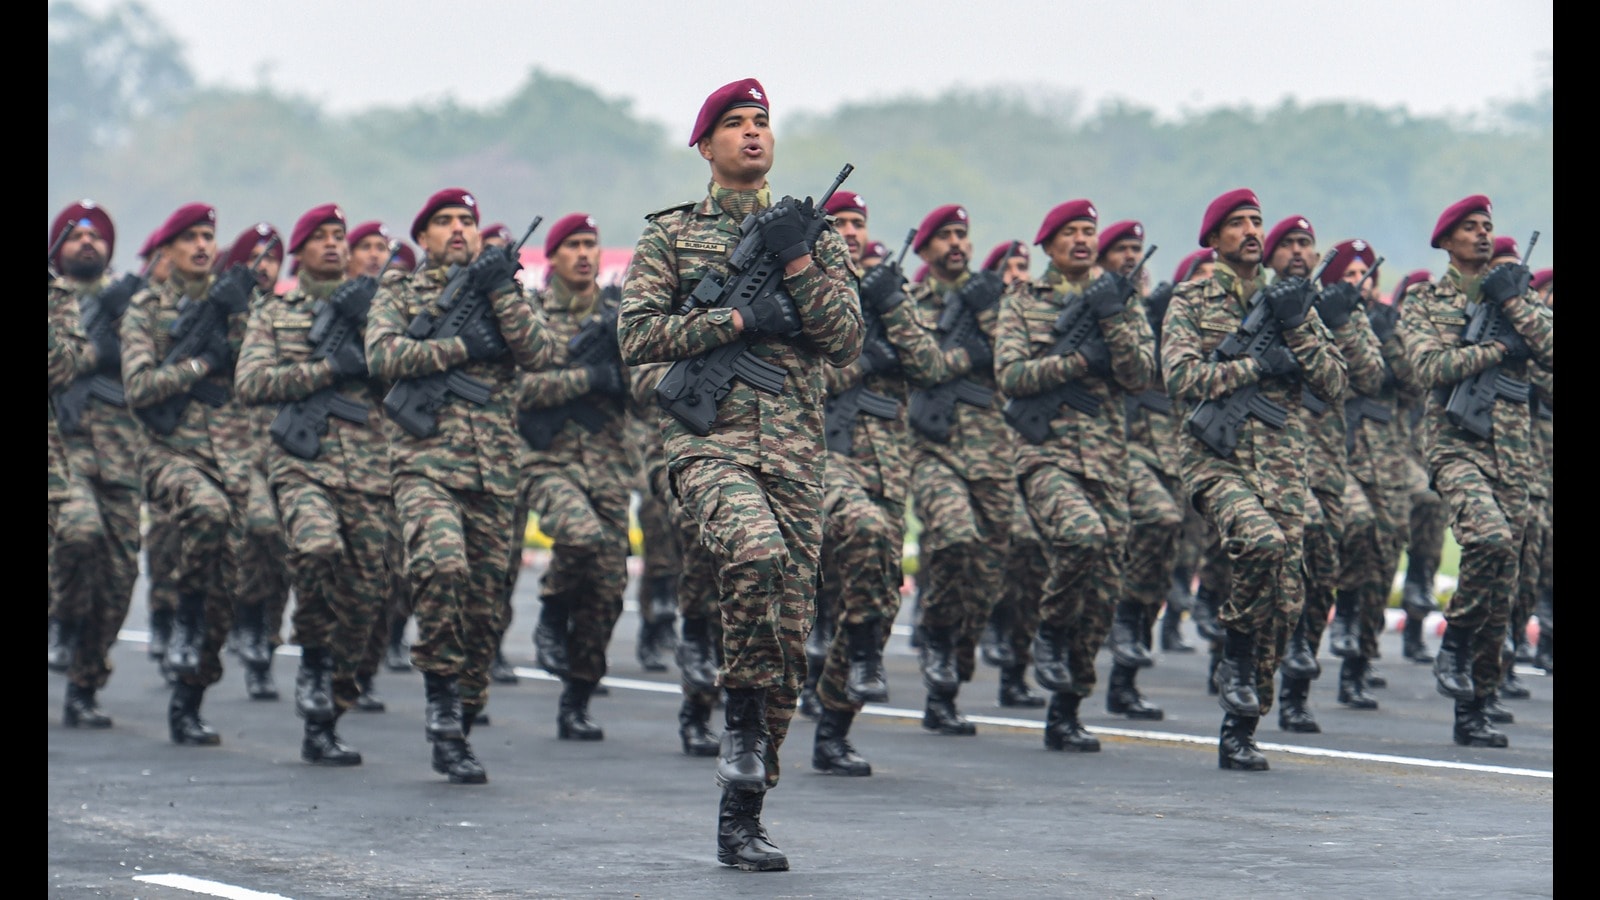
(1380, 804)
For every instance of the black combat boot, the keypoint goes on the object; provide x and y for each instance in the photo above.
(550, 637)
(1203, 613)
(501, 671)
(741, 838)
(1300, 658)
(1294, 713)
(1014, 689)
(1511, 686)
(255, 645)
(1062, 730)
(1472, 728)
(188, 634)
(160, 633)
(443, 714)
(81, 709)
(60, 640)
(694, 729)
(1127, 636)
(1416, 593)
(816, 649)
(1050, 659)
(368, 699)
(1236, 676)
(397, 656)
(1412, 646)
(1344, 632)
(940, 715)
(867, 682)
(183, 717)
(742, 761)
(313, 685)
(831, 751)
(453, 758)
(810, 704)
(1544, 657)
(1452, 668)
(697, 660)
(1353, 684)
(1374, 680)
(994, 645)
(939, 660)
(1179, 601)
(1237, 747)
(258, 682)
(1123, 697)
(322, 746)
(1211, 671)
(658, 611)
(1495, 711)
(573, 723)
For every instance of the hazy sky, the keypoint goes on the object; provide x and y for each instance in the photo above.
(1429, 56)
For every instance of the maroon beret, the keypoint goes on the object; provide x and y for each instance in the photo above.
(249, 240)
(845, 201)
(875, 249)
(404, 256)
(1542, 278)
(148, 247)
(1415, 276)
(744, 92)
(327, 212)
(1188, 265)
(1223, 206)
(1505, 245)
(1282, 230)
(181, 220)
(83, 214)
(939, 218)
(440, 200)
(1455, 212)
(1061, 215)
(567, 226)
(993, 259)
(1345, 253)
(1117, 231)
(366, 230)
(498, 230)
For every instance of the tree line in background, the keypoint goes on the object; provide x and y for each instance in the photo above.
(130, 127)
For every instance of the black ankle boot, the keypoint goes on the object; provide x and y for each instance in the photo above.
(1511, 687)
(160, 633)
(1062, 730)
(188, 634)
(1412, 646)
(1172, 631)
(443, 714)
(831, 751)
(454, 759)
(1237, 747)
(1353, 684)
(322, 746)
(1211, 673)
(1014, 690)
(573, 723)
(1452, 668)
(1344, 634)
(1494, 711)
(313, 685)
(742, 762)
(1236, 676)
(866, 682)
(61, 639)
(1126, 641)
(368, 700)
(741, 838)
(1123, 697)
(1416, 594)
(658, 610)
(258, 682)
(1472, 728)
(397, 656)
(502, 672)
(994, 645)
(1544, 657)
(1050, 659)
(1204, 614)
(183, 717)
(1300, 658)
(940, 715)
(1294, 713)
(550, 638)
(939, 659)
(694, 729)
(255, 646)
(81, 709)
(696, 658)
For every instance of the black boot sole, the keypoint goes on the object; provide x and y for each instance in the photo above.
(1226, 762)
(731, 858)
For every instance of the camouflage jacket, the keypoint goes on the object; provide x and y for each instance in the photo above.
(105, 447)
(981, 445)
(1543, 409)
(218, 439)
(1093, 447)
(1328, 460)
(1271, 461)
(1433, 319)
(780, 435)
(476, 448)
(275, 368)
(62, 353)
(1376, 450)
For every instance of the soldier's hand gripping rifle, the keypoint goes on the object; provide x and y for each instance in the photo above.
(99, 314)
(1334, 305)
(691, 388)
(336, 335)
(201, 331)
(1470, 405)
(1077, 329)
(1216, 422)
(839, 412)
(932, 410)
(414, 403)
(595, 348)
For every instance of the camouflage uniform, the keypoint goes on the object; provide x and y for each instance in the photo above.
(1538, 589)
(1157, 513)
(1015, 616)
(754, 485)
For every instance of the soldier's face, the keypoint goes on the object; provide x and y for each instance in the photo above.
(1471, 242)
(1122, 256)
(1071, 248)
(947, 252)
(1354, 273)
(852, 226)
(368, 255)
(577, 261)
(1294, 256)
(451, 237)
(1239, 239)
(85, 253)
(1016, 268)
(1204, 270)
(326, 253)
(191, 252)
(739, 148)
(266, 267)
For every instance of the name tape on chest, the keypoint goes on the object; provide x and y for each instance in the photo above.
(700, 246)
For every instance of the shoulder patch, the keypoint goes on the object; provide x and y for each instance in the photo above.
(687, 204)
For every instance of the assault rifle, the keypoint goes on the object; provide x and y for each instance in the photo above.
(595, 344)
(55, 247)
(1074, 327)
(840, 412)
(337, 326)
(1470, 406)
(932, 410)
(691, 388)
(1216, 422)
(1316, 405)
(1152, 399)
(99, 314)
(414, 403)
(199, 328)
(1360, 407)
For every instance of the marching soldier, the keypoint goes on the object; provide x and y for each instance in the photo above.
(1425, 525)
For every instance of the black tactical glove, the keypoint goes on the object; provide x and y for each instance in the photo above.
(771, 313)
(1290, 301)
(1108, 295)
(483, 339)
(882, 288)
(1505, 281)
(979, 351)
(1336, 302)
(878, 355)
(605, 379)
(1097, 354)
(1279, 360)
(349, 360)
(1155, 307)
(1384, 317)
(217, 354)
(784, 226)
(107, 349)
(353, 298)
(1516, 347)
(494, 272)
(231, 290)
(981, 291)
(114, 299)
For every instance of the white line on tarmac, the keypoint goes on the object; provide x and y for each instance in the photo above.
(207, 887)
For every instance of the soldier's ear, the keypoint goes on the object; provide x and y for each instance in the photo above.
(704, 146)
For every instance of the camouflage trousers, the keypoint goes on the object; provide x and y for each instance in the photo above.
(336, 549)
(765, 535)
(1537, 568)
(396, 599)
(698, 595)
(1374, 537)
(94, 563)
(1324, 534)
(209, 523)
(588, 571)
(863, 540)
(456, 543)
(1266, 584)
(663, 552)
(1083, 524)
(1027, 570)
(161, 544)
(965, 540)
(1155, 522)
(263, 573)
(1489, 519)
(1429, 518)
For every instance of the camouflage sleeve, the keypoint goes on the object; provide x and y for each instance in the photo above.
(1545, 380)
(523, 329)
(921, 360)
(642, 384)
(1017, 373)
(71, 353)
(393, 356)
(1533, 321)
(1133, 347)
(551, 387)
(824, 295)
(1321, 364)
(145, 380)
(838, 379)
(1189, 375)
(648, 329)
(1433, 363)
(259, 377)
(1394, 353)
(1363, 359)
(62, 355)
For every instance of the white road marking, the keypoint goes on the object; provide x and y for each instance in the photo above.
(208, 887)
